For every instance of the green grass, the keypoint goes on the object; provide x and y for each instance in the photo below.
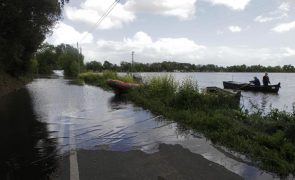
(267, 139)
(99, 79)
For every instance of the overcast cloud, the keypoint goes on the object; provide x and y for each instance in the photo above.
(223, 32)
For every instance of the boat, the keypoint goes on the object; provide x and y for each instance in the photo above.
(251, 87)
(121, 86)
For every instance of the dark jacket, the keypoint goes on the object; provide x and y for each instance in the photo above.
(256, 82)
(266, 80)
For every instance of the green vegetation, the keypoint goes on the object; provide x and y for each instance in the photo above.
(94, 66)
(266, 138)
(70, 60)
(63, 56)
(99, 79)
(24, 25)
(182, 67)
(45, 59)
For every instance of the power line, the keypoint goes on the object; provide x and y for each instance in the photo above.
(108, 11)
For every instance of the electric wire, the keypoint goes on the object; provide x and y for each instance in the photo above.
(108, 11)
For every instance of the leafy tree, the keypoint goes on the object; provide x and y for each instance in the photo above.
(46, 58)
(107, 65)
(34, 66)
(94, 66)
(73, 70)
(288, 68)
(24, 25)
(68, 56)
(125, 66)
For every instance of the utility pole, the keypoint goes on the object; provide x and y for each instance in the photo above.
(78, 58)
(132, 54)
(132, 60)
(81, 58)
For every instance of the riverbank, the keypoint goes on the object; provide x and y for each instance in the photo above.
(267, 139)
(9, 84)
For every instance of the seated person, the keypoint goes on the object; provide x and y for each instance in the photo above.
(256, 81)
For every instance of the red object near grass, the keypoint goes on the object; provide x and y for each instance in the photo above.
(121, 86)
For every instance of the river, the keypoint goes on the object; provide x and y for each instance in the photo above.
(41, 121)
(264, 101)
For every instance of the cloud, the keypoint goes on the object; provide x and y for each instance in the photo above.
(263, 19)
(225, 55)
(284, 27)
(288, 52)
(146, 49)
(235, 29)
(91, 11)
(149, 50)
(233, 4)
(183, 9)
(63, 33)
(280, 13)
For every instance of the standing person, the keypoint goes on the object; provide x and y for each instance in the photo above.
(265, 80)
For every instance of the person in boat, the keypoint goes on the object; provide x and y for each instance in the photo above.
(256, 81)
(265, 80)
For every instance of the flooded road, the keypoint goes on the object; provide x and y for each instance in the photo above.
(50, 116)
(28, 150)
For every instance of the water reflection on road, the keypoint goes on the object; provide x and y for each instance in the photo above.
(28, 151)
(98, 119)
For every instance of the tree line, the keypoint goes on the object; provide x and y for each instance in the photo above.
(66, 57)
(166, 66)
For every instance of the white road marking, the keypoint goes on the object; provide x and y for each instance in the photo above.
(74, 168)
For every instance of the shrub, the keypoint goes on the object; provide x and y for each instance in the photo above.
(187, 96)
(163, 88)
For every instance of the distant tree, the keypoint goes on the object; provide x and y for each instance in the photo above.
(73, 69)
(288, 68)
(46, 58)
(107, 65)
(125, 66)
(93, 66)
(71, 61)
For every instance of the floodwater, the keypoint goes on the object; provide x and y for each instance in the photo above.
(40, 123)
(283, 100)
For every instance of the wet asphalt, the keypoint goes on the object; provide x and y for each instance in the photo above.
(171, 162)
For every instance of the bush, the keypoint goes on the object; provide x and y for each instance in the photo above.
(163, 88)
(187, 96)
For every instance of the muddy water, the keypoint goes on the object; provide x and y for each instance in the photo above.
(39, 123)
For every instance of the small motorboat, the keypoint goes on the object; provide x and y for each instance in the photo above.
(251, 87)
(121, 86)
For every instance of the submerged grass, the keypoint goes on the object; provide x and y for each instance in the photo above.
(267, 139)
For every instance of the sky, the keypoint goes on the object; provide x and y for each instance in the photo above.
(221, 32)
